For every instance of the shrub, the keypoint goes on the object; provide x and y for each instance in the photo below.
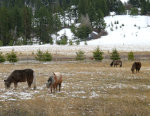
(12, 57)
(11, 43)
(115, 55)
(111, 29)
(131, 56)
(51, 40)
(83, 32)
(70, 42)
(73, 29)
(78, 42)
(1, 43)
(98, 54)
(80, 55)
(41, 56)
(19, 42)
(117, 22)
(63, 41)
(85, 43)
(2, 58)
(116, 27)
(47, 56)
(134, 11)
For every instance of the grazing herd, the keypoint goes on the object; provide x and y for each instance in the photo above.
(55, 80)
(16, 76)
(135, 66)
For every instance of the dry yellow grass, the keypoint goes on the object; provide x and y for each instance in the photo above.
(89, 89)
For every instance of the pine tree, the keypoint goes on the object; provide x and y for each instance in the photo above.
(98, 54)
(2, 58)
(115, 55)
(99, 21)
(12, 57)
(80, 55)
(131, 56)
(27, 19)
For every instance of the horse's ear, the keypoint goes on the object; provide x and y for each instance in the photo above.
(53, 73)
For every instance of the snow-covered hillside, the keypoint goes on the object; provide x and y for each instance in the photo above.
(125, 33)
(125, 30)
(124, 1)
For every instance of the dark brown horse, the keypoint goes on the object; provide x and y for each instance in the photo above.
(115, 63)
(136, 66)
(54, 81)
(21, 76)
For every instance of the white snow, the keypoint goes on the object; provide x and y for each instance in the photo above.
(94, 94)
(124, 1)
(67, 32)
(131, 33)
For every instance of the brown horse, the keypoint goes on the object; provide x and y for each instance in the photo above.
(136, 66)
(116, 62)
(21, 76)
(54, 81)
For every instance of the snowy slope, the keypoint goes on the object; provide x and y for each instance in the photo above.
(134, 34)
(131, 33)
(124, 1)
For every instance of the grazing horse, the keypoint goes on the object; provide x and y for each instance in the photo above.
(115, 63)
(136, 66)
(54, 81)
(21, 76)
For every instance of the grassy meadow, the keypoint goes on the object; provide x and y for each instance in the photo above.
(88, 89)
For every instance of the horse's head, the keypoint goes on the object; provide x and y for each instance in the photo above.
(7, 84)
(50, 81)
(111, 64)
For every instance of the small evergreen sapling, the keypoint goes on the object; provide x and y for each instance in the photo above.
(131, 56)
(12, 57)
(98, 54)
(47, 56)
(2, 58)
(41, 56)
(115, 55)
(80, 55)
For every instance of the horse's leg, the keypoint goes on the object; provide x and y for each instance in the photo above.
(15, 85)
(136, 70)
(51, 88)
(56, 87)
(59, 86)
(29, 84)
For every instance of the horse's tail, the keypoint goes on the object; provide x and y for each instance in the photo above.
(34, 81)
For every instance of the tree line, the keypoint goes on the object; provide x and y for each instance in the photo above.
(22, 20)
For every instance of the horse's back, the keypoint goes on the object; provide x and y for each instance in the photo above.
(21, 75)
(58, 76)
